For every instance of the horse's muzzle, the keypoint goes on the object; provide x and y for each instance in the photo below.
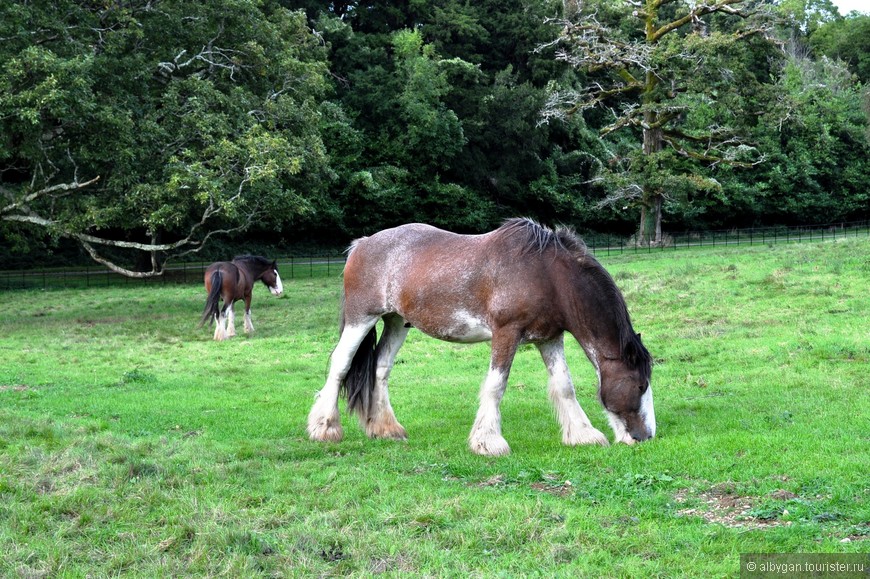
(640, 436)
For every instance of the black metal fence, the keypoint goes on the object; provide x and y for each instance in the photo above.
(311, 267)
(613, 245)
(182, 273)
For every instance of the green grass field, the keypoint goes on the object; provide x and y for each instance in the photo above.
(131, 444)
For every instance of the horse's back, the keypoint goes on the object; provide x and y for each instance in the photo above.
(452, 286)
(401, 255)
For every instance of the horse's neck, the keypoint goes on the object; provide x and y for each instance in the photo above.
(246, 272)
(598, 321)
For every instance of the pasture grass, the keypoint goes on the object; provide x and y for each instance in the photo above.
(132, 444)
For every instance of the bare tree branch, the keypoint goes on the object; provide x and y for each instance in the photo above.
(18, 211)
(63, 187)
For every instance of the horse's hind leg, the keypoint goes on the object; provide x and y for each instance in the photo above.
(231, 319)
(576, 428)
(381, 421)
(220, 331)
(324, 423)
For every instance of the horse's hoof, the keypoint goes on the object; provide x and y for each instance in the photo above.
(323, 431)
(394, 431)
(493, 446)
(587, 436)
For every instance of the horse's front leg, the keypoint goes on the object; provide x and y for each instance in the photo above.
(249, 326)
(485, 437)
(381, 421)
(324, 423)
(576, 428)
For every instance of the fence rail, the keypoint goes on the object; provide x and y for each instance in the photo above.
(311, 267)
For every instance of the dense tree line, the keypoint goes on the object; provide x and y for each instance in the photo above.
(154, 127)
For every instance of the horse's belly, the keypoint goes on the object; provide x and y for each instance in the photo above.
(460, 326)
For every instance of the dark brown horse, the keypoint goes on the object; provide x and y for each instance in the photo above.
(231, 281)
(522, 283)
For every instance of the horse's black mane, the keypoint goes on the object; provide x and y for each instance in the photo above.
(254, 259)
(536, 238)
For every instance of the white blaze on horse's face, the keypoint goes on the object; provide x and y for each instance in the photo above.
(647, 411)
(632, 426)
(278, 288)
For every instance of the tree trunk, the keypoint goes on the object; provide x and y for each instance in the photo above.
(651, 216)
(650, 232)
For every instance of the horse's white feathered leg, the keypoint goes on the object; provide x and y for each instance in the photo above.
(576, 428)
(324, 423)
(381, 421)
(485, 437)
(249, 327)
(220, 333)
(231, 321)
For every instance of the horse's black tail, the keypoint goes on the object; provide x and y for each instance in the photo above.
(360, 380)
(212, 302)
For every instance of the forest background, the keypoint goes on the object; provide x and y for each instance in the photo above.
(139, 132)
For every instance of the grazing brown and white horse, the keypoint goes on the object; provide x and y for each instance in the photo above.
(234, 280)
(522, 283)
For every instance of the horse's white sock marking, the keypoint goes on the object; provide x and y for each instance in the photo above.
(619, 431)
(220, 332)
(576, 427)
(323, 420)
(249, 326)
(231, 321)
(486, 435)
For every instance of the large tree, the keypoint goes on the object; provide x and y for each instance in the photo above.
(147, 127)
(670, 72)
(846, 39)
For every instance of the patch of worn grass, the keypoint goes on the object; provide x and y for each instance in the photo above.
(133, 444)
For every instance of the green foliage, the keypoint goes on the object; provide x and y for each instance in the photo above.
(848, 40)
(324, 122)
(193, 112)
(819, 156)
